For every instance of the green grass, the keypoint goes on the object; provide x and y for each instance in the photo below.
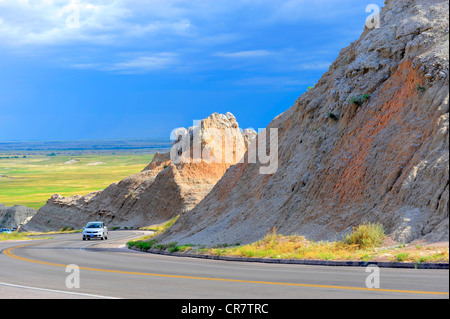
(21, 236)
(145, 243)
(403, 256)
(13, 236)
(364, 243)
(142, 244)
(366, 236)
(159, 229)
(36, 235)
(31, 181)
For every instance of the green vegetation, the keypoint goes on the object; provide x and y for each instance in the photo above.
(142, 244)
(420, 89)
(22, 236)
(402, 256)
(36, 235)
(364, 243)
(31, 181)
(290, 247)
(13, 236)
(366, 236)
(145, 243)
(359, 99)
(159, 229)
(331, 115)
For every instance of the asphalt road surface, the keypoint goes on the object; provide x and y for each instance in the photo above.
(105, 269)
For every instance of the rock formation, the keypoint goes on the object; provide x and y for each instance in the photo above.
(160, 192)
(16, 216)
(369, 143)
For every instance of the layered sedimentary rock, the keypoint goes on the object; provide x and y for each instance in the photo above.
(369, 143)
(16, 216)
(160, 192)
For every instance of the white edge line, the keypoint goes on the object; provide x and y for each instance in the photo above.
(57, 291)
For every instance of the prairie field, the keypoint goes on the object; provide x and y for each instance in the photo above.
(32, 180)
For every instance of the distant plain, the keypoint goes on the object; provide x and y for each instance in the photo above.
(29, 176)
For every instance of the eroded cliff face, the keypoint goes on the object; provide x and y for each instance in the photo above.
(16, 216)
(160, 192)
(369, 143)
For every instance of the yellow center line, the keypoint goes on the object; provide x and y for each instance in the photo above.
(8, 252)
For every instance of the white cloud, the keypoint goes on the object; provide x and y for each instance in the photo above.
(44, 22)
(146, 63)
(47, 22)
(245, 54)
(182, 35)
(135, 63)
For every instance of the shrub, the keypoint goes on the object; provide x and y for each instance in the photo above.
(359, 99)
(145, 243)
(331, 115)
(141, 245)
(271, 236)
(420, 89)
(366, 236)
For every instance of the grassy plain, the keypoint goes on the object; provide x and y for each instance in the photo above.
(31, 181)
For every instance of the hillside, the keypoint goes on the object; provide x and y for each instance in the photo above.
(16, 216)
(369, 143)
(155, 195)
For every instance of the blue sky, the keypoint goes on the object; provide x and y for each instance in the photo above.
(138, 69)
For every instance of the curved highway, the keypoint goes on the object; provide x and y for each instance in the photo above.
(38, 269)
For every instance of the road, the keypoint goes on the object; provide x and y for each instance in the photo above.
(37, 269)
